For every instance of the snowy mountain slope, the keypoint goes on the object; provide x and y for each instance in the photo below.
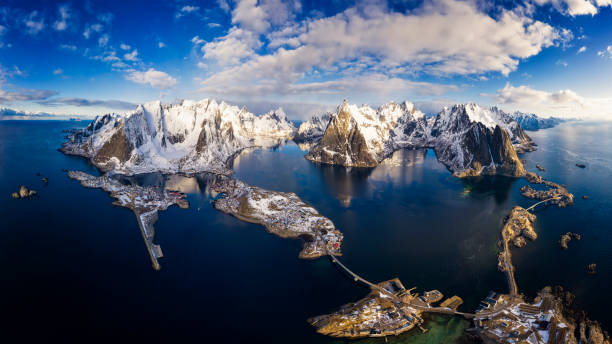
(187, 137)
(468, 139)
(360, 136)
(533, 122)
(313, 129)
(471, 140)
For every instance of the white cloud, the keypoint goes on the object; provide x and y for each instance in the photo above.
(213, 25)
(202, 65)
(250, 16)
(124, 46)
(91, 29)
(64, 14)
(576, 7)
(427, 40)
(103, 40)
(24, 94)
(259, 16)
(58, 71)
(196, 40)
(68, 47)
(561, 63)
(161, 44)
(34, 23)
(232, 48)
(152, 77)
(186, 10)
(581, 50)
(133, 56)
(224, 5)
(563, 103)
(606, 52)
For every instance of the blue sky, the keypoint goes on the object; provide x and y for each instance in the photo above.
(551, 57)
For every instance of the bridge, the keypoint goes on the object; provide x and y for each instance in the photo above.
(357, 278)
(544, 201)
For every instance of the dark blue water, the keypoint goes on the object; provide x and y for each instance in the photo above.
(75, 268)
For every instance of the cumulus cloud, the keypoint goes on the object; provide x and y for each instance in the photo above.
(196, 40)
(576, 7)
(82, 102)
(185, 10)
(103, 40)
(34, 23)
(64, 14)
(606, 52)
(427, 40)
(563, 103)
(89, 29)
(581, 50)
(152, 77)
(133, 56)
(58, 71)
(161, 44)
(232, 48)
(250, 16)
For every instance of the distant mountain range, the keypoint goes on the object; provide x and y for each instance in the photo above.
(196, 136)
(532, 122)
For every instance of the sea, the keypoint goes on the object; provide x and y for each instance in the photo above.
(74, 268)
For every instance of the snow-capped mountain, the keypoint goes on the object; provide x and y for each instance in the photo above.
(361, 136)
(471, 140)
(533, 122)
(468, 139)
(313, 128)
(187, 137)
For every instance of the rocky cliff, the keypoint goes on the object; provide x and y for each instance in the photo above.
(473, 141)
(363, 136)
(186, 137)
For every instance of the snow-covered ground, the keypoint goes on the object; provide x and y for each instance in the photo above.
(192, 136)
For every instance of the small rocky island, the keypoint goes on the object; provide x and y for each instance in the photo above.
(566, 238)
(555, 194)
(24, 193)
(282, 213)
(145, 202)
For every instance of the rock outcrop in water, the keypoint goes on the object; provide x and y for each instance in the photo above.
(468, 139)
(24, 193)
(187, 137)
(566, 238)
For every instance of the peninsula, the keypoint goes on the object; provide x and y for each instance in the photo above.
(145, 202)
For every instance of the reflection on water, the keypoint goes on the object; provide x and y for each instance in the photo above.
(403, 167)
(406, 218)
(498, 186)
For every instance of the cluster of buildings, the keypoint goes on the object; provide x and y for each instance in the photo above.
(507, 319)
(376, 315)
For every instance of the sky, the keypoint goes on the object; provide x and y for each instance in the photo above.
(85, 58)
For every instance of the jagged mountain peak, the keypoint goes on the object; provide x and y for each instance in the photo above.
(190, 136)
